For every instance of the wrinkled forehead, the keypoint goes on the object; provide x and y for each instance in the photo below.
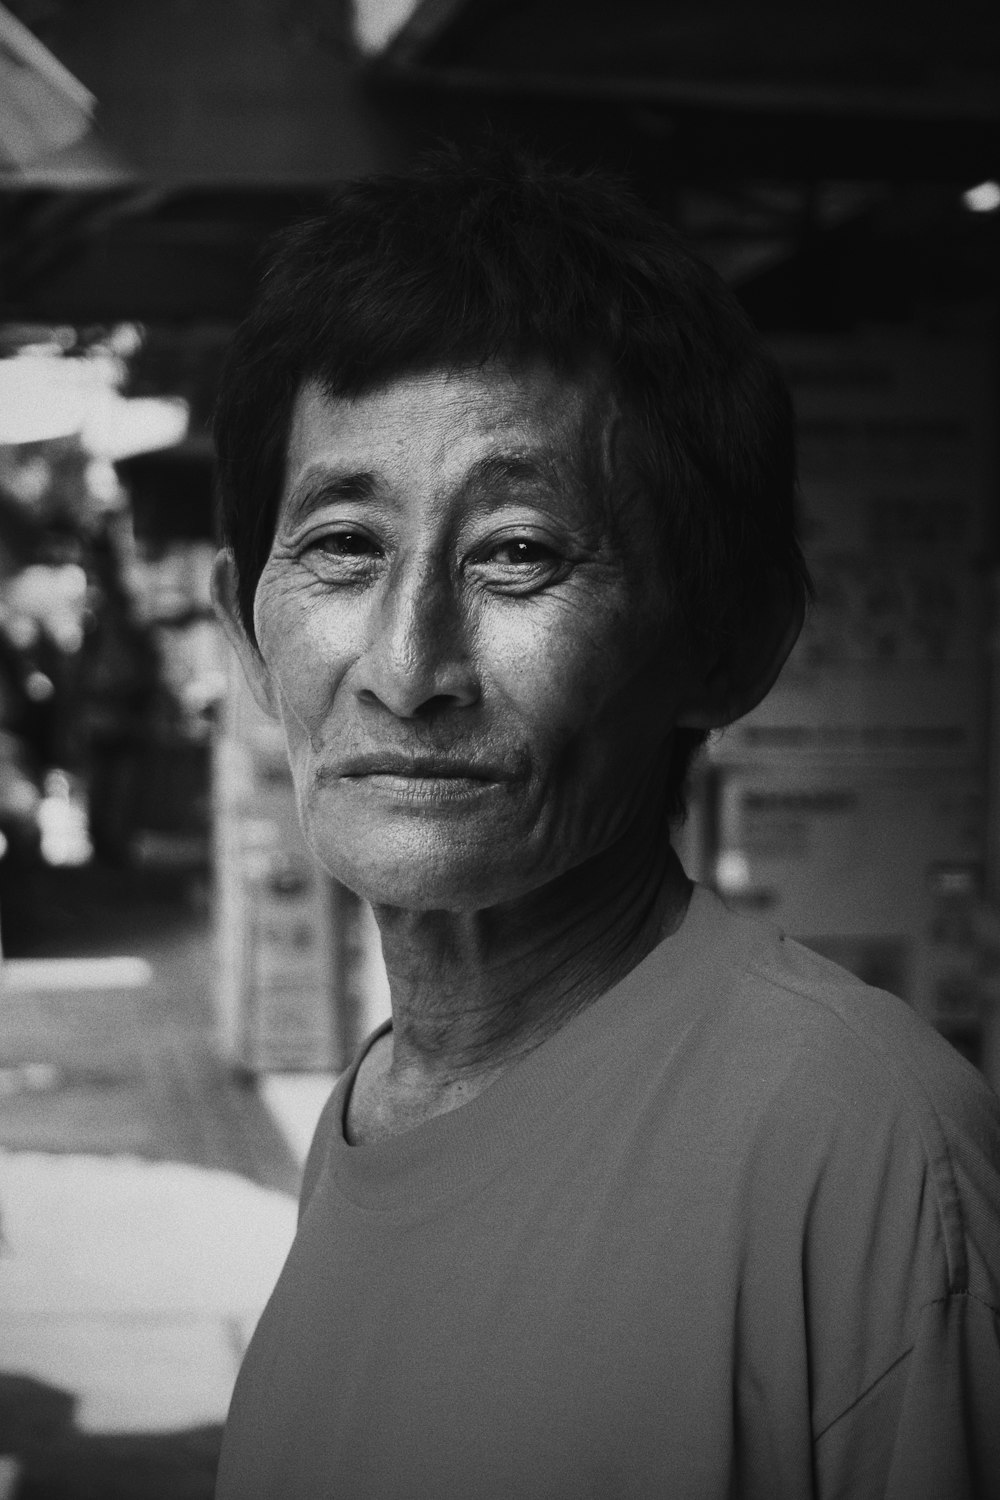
(525, 420)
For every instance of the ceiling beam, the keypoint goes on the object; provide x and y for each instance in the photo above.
(764, 98)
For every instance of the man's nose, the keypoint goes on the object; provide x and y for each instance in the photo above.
(418, 660)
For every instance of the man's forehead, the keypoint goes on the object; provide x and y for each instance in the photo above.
(519, 412)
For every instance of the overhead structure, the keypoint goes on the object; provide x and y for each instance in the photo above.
(766, 132)
(42, 106)
(212, 125)
(377, 23)
(863, 88)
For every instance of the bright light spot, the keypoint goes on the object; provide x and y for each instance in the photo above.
(46, 598)
(984, 198)
(41, 397)
(376, 22)
(126, 339)
(4, 844)
(28, 975)
(102, 483)
(62, 823)
(39, 687)
(44, 396)
(107, 368)
(24, 475)
(732, 872)
(117, 426)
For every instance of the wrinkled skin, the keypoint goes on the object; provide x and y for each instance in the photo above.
(466, 638)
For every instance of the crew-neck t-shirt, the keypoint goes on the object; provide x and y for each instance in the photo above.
(734, 1230)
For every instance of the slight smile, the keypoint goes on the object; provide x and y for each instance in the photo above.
(422, 778)
(427, 788)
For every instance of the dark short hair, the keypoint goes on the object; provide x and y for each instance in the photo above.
(490, 254)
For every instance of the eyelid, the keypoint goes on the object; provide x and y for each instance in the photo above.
(526, 575)
(335, 514)
(550, 553)
(526, 531)
(314, 535)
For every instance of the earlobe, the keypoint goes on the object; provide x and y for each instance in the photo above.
(225, 603)
(745, 670)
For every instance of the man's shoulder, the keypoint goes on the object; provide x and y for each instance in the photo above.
(792, 1006)
(869, 1035)
(843, 1107)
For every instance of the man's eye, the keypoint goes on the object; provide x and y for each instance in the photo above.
(345, 544)
(522, 552)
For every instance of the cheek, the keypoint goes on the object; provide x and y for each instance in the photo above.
(583, 681)
(306, 650)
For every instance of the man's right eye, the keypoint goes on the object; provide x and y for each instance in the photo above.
(345, 544)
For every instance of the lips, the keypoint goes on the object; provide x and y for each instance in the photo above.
(421, 767)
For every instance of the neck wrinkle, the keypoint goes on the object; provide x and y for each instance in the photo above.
(474, 992)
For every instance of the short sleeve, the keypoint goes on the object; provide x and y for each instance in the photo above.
(929, 1428)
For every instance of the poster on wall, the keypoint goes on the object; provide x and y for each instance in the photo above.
(897, 475)
(852, 806)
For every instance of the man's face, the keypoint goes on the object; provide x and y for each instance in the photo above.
(465, 641)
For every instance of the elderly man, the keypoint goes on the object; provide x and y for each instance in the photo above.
(633, 1197)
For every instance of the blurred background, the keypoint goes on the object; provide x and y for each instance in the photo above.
(180, 983)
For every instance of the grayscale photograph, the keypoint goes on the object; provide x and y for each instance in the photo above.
(499, 750)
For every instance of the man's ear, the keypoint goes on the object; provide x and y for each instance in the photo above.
(227, 609)
(743, 672)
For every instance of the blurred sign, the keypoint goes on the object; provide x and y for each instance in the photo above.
(851, 806)
(898, 471)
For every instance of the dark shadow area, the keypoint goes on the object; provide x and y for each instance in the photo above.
(97, 909)
(58, 1462)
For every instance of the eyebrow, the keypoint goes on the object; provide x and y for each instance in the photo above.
(505, 468)
(319, 485)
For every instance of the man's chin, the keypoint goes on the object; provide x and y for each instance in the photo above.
(415, 892)
(423, 882)
(457, 863)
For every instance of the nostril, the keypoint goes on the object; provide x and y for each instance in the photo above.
(413, 690)
(439, 705)
(403, 704)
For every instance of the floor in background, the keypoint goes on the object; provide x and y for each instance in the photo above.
(146, 1198)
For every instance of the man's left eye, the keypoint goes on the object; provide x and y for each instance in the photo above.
(522, 552)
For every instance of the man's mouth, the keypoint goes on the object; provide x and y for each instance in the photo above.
(421, 767)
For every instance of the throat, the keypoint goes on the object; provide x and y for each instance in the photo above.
(383, 1103)
(474, 993)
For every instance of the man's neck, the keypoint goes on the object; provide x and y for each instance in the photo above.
(472, 992)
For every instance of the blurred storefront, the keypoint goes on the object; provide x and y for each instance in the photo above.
(854, 806)
(90, 694)
(838, 168)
